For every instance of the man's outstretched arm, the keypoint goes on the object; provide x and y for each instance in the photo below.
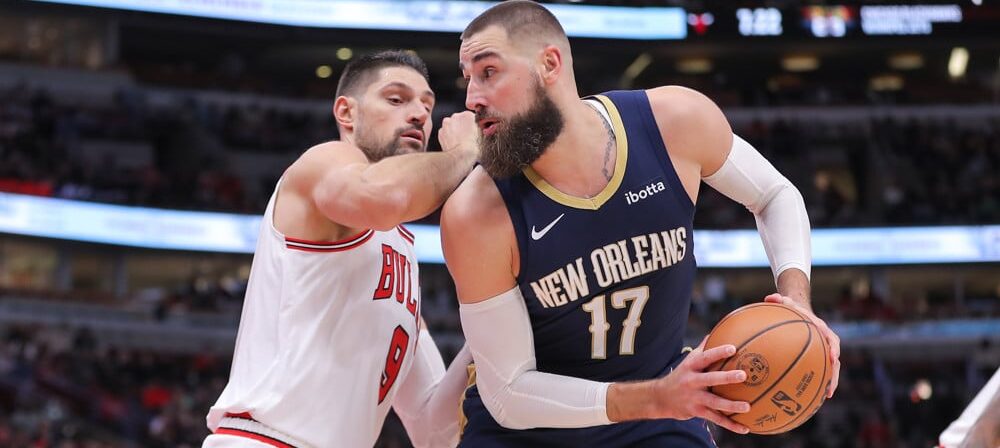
(703, 147)
(349, 190)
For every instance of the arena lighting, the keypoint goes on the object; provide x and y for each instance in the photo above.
(800, 63)
(324, 71)
(694, 66)
(344, 53)
(921, 391)
(889, 82)
(636, 68)
(958, 62)
(906, 61)
(638, 65)
(234, 233)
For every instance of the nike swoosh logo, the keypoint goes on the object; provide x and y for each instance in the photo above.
(537, 235)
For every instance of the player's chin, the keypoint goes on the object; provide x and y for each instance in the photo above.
(410, 147)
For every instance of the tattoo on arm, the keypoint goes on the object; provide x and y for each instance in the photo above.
(606, 168)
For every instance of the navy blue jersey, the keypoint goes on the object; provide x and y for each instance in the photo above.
(607, 282)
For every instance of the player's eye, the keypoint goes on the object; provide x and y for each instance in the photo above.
(395, 100)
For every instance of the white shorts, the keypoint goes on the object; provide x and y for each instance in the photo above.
(242, 431)
(228, 441)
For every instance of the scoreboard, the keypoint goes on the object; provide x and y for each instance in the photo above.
(832, 21)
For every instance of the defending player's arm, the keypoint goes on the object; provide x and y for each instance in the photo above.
(699, 136)
(428, 398)
(979, 423)
(480, 249)
(349, 190)
(986, 431)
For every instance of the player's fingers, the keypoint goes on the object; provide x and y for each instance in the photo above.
(709, 379)
(723, 421)
(700, 361)
(834, 342)
(835, 379)
(832, 339)
(774, 298)
(720, 404)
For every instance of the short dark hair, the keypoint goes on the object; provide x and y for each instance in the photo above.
(518, 18)
(358, 72)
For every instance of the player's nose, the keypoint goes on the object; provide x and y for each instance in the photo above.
(418, 115)
(474, 99)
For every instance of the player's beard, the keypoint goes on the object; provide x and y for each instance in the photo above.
(522, 139)
(377, 149)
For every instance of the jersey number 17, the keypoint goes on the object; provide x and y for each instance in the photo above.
(599, 326)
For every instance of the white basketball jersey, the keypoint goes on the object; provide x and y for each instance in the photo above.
(327, 334)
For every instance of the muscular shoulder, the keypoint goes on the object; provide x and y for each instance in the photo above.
(692, 126)
(478, 239)
(683, 105)
(313, 164)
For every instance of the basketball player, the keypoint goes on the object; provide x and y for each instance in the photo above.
(331, 335)
(572, 251)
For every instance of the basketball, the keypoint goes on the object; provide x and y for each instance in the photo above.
(786, 360)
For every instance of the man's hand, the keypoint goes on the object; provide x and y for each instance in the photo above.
(683, 394)
(459, 132)
(831, 337)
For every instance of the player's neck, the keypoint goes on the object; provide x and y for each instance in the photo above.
(577, 163)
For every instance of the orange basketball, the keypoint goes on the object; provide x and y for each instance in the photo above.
(787, 363)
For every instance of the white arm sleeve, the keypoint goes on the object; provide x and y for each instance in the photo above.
(748, 178)
(428, 399)
(498, 331)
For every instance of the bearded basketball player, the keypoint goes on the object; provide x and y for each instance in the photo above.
(572, 248)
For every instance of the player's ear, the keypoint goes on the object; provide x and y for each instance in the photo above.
(551, 63)
(345, 110)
